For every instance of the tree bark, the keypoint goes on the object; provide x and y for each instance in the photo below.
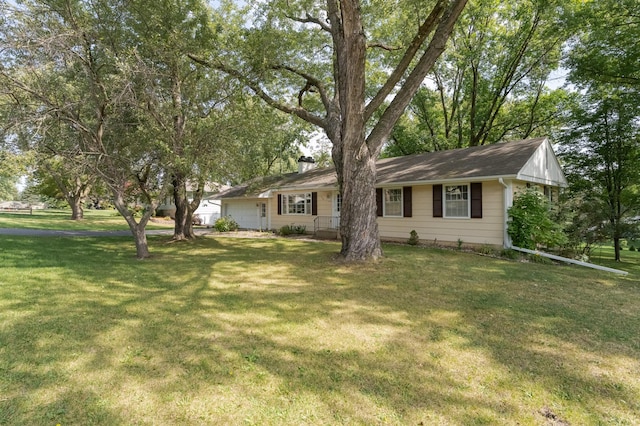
(77, 212)
(180, 230)
(355, 165)
(138, 229)
(183, 229)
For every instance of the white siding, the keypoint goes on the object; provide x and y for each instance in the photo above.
(543, 167)
(246, 213)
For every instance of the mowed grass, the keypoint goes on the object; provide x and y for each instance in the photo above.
(97, 220)
(274, 331)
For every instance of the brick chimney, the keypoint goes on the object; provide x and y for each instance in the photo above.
(305, 164)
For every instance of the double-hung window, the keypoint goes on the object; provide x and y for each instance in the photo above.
(393, 202)
(296, 203)
(456, 201)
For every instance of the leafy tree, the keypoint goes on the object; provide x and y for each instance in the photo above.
(181, 107)
(9, 175)
(601, 150)
(335, 64)
(530, 222)
(605, 47)
(62, 68)
(490, 84)
(601, 146)
(257, 140)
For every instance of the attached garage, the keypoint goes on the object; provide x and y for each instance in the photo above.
(249, 214)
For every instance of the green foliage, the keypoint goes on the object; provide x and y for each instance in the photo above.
(605, 48)
(510, 254)
(489, 85)
(601, 152)
(293, 229)
(530, 223)
(487, 250)
(414, 239)
(11, 167)
(226, 224)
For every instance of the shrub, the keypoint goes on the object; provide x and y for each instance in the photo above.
(510, 254)
(487, 250)
(530, 222)
(226, 224)
(292, 229)
(632, 248)
(414, 239)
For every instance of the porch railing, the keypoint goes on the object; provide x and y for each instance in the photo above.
(325, 223)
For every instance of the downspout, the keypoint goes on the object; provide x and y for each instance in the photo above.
(567, 260)
(505, 235)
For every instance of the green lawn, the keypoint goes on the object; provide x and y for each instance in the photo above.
(273, 331)
(103, 220)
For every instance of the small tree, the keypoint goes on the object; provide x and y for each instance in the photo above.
(530, 223)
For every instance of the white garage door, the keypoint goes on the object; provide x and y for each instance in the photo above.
(244, 212)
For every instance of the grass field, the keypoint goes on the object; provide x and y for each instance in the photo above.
(103, 220)
(274, 331)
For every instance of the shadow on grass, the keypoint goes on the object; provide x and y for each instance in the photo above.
(272, 331)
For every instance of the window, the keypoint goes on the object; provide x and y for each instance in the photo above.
(393, 202)
(338, 202)
(263, 210)
(456, 201)
(548, 193)
(296, 203)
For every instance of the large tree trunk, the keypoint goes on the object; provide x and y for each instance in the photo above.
(616, 248)
(140, 236)
(77, 212)
(181, 228)
(348, 119)
(355, 164)
(138, 229)
(358, 220)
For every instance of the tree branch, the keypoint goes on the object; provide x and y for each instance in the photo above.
(425, 29)
(383, 46)
(311, 82)
(255, 87)
(308, 19)
(411, 85)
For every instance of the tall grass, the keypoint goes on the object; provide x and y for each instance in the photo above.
(274, 331)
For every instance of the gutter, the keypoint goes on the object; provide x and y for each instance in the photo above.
(567, 260)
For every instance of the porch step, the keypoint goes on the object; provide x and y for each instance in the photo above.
(326, 234)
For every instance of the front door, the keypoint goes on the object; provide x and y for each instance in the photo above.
(337, 204)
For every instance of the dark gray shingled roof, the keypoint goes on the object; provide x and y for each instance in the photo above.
(501, 159)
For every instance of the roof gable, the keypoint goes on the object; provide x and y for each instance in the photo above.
(543, 167)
